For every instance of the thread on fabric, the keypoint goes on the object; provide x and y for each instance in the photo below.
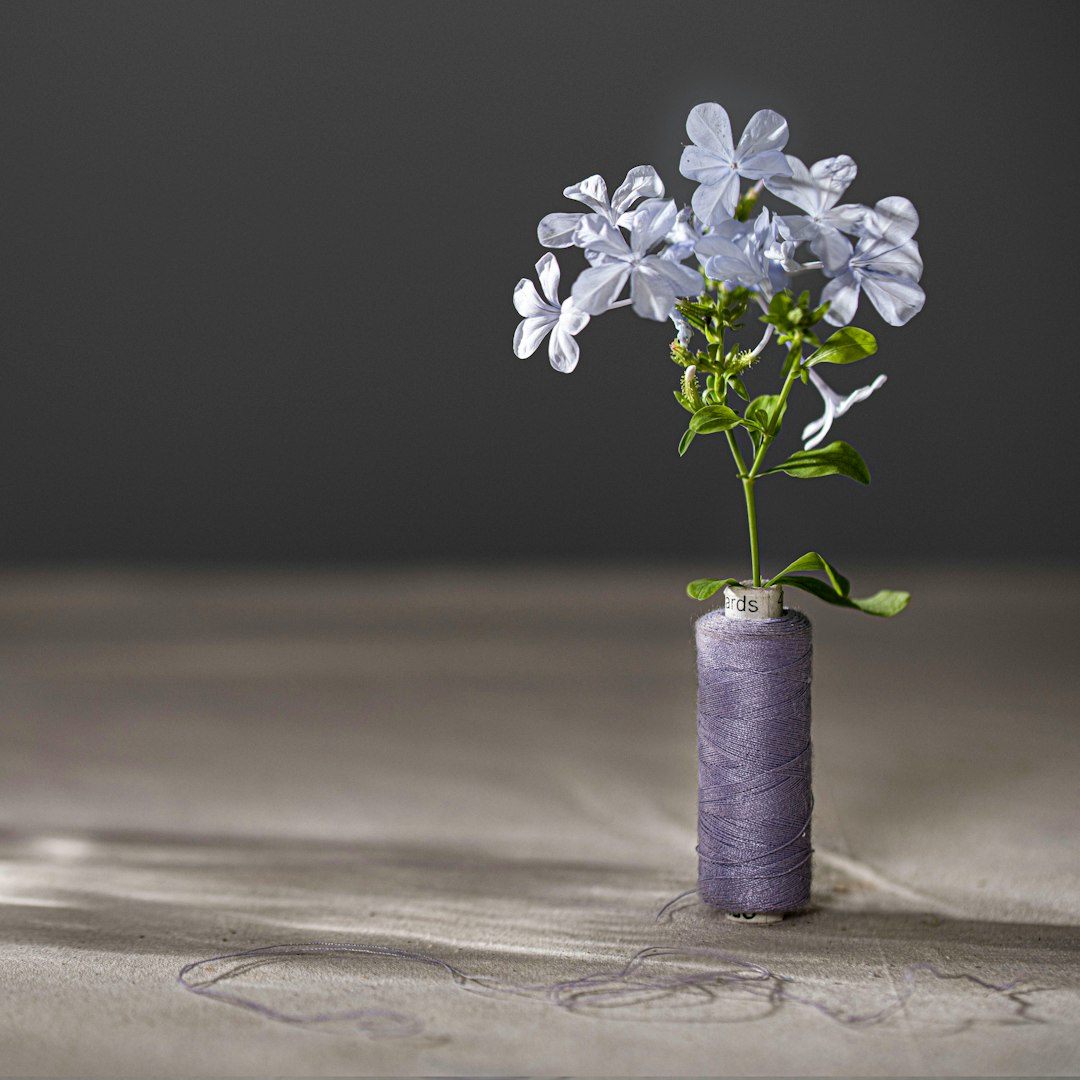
(641, 979)
(754, 794)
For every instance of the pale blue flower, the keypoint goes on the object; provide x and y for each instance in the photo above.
(894, 219)
(655, 282)
(642, 182)
(685, 233)
(817, 190)
(716, 163)
(835, 405)
(561, 320)
(684, 331)
(742, 253)
(885, 268)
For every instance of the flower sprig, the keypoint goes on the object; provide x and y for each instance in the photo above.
(746, 257)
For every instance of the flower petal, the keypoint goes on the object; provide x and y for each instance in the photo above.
(597, 288)
(843, 296)
(598, 236)
(714, 244)
(651, 291)
(762, 166)
(797, 227)
(708, 126)
(547, 270)
(767, 130)
(592, 191)
(893, 218)
(563, 351)
(730, 268)
(816, 430)
(863, 392)
(572, 319)
(847, 218)
(897, 299)
(816, 189)
(884, 257)
(835, 406)
(683, 279)
(530, 333)
(641, 182)
(831, 246)
(834, 176)
(836, 255)
(650, 223)
(703, 165)
(800, 188)
(527, 300)
(557, 230)
(714, 202)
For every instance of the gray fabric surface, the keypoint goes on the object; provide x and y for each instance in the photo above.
(497, 767)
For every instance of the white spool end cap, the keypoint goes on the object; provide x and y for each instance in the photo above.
(747, 602)
(758, 917)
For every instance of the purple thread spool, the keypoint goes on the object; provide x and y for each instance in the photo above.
(754, 796)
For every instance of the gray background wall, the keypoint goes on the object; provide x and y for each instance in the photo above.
(257, 262)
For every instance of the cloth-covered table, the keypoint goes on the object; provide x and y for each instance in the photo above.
(497, 768)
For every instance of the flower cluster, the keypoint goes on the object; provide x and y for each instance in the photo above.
(703, 266)
(637, 237)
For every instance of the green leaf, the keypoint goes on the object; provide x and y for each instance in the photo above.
(703, 588)
(813, 561)
(697, 315)
(838, 458)
(685, 441)
(779, 306)
(761, 409)
(739, 387)
(844, 347)
(884, 603)
(683, 400)
(713, 418)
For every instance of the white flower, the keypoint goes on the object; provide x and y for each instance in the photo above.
(751, 254)
(835, 405)
(817, 190)
(561, 320)
(885, 264)
(886, 270)
(716, 163)
(655, 282)
(642, 182)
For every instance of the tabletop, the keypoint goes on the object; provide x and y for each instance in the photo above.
(494, 768)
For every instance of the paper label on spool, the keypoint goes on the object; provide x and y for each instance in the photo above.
(756, 916)
(748, 602)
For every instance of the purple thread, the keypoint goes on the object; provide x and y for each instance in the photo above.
(754, 797)
(630, 984)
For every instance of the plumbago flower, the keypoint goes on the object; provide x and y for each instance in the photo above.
(561, 320)
(756, 257)
(817, 190)
(835, 405)
(716, 164)
(885, 264)
(655, 282)
(743, 258)
(557, 230)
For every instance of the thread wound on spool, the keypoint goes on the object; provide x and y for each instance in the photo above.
(754, 795)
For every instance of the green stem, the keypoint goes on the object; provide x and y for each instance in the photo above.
(768, 437)
(751, 520)
(748, 478)
(739, 463)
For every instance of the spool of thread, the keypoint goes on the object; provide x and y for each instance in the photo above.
(754, 795)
